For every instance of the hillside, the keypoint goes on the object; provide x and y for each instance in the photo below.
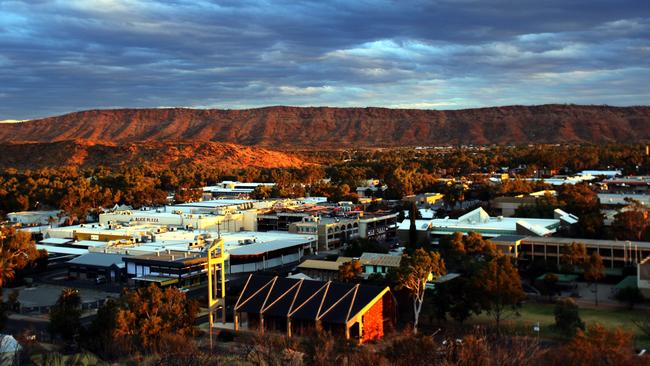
(295, 127)
(156, 155)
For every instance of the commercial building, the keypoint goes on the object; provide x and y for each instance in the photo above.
(616, 254)
(480, 222)
(425, 198)
(370, 188)
(34, 217)
(227, 189)
(332, 232)
(297, 306)
(93, 265)
(171, 268)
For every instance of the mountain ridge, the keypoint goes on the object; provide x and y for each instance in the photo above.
(335, 127)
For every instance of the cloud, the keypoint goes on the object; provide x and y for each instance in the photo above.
(63, 55)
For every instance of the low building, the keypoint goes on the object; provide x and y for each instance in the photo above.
(93, 266)
(370, 188)
(321, 269)
(297, 306)
(179, 269)
(377, 263)
(31, 218)
(615, 254)
(428, 199)
(480, 222)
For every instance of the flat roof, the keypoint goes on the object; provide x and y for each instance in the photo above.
(99, 260)
(320, 265)
(61, 250)
(55, 241)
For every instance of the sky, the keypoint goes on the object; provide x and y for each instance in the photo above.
(59, 56)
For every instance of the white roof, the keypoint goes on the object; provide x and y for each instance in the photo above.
(61, 250)
(55, 241)
(263, 241)
(420, 225)
(89, 243)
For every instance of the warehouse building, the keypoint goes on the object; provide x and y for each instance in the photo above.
(297, 306)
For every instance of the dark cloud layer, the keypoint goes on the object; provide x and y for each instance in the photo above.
(65, 55)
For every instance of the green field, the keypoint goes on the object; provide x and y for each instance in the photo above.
(531, 313)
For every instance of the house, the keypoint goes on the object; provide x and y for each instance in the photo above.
(298, 306)
(379, 263)
(321, 269)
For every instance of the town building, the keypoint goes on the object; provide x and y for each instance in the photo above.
(229, 189)
(377, 263)
(615, 254)
(297, 306)
(323, 270)
(481, 222)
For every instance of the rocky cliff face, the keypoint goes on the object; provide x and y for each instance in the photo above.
(156, 155)
(294, 127)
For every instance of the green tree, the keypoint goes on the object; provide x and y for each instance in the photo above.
(594, 270)
(549, 285)
(413, 274)
(501, 287)
(65, 315)
(567, 317)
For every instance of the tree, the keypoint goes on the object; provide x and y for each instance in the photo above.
(413, 230)
(573, 255)
(17, 249)
(594, 271)
(501, 287)
(413, 274)
(357, 247)
(147, 313)
(632, 223)
(549, 285)
(65, 315)
(631, 295)
(595, 347)
(350, 271)
(99, 335)
(567, 318)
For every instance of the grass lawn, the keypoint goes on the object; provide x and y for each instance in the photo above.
(531, 313)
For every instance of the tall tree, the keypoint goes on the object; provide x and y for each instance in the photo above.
(413, 274)
(413, 230)
(573, 255)
(501, 287)
(594, 271)
(65, 315)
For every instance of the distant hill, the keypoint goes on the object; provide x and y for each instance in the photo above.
(296, 127)
(153, 154)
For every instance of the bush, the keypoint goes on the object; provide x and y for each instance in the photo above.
(567, 318)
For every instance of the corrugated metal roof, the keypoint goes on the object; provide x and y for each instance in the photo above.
(99, 260)
(379, 259)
